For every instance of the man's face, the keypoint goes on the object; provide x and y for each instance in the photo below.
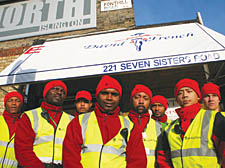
(55, 96)
(211, 102)
(187, 96)
(13, 105)
(108, 99)
(141, 102)
(83, 105)
(158, 110)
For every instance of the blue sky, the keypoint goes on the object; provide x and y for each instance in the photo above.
(149, 12)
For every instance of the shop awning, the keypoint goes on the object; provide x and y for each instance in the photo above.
(115, 52)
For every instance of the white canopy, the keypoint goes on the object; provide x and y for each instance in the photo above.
(139, 49)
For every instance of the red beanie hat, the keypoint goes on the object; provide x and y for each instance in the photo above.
(187, 83)
(52, 84)
(141, 88)
(108, 82)
(159, 99)
(13, 94)
(210, 88)
(83, 94)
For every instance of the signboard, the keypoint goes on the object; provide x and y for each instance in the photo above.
(38, 17)
(116, 52)
(172, 105)
(109, 5)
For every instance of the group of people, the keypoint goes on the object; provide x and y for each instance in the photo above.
(47, 137)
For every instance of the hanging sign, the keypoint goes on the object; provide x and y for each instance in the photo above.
(109, 5)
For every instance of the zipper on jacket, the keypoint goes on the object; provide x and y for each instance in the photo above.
(6, 148)
(100, 157)
(181, 153)
(53, 155)
(139, 119)
(105, 117)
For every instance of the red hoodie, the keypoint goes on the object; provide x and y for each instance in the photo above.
(109, 125)
(12, 121)
(140, 121)
(25, 137)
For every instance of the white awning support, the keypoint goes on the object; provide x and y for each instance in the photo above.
(205, 66)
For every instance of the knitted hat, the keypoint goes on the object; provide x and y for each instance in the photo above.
(108, 82)
(83, 94)
(187, 83)
(159, 99)
(13, 94)
(210, 88)
(52, 84)
(141, 88)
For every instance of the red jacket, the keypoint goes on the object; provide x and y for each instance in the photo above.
(187, 114)
(109, 125)
(140, 121)
(25, 137)
(12, 121)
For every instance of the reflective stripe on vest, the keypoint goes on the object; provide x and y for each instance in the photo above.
(48, 141)
(3, 143)
(49, 159)
(96, 148)
(106, 149)
(8, 163)
(94, 153)
(196, 145)
(150, 150)
(150, 139)
(44, 139)
(7, 154)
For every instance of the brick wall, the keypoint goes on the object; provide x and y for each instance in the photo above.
(12, 49)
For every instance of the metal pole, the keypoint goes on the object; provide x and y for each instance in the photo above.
(205, 66)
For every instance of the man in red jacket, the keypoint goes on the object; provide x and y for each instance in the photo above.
(40, 133)
(150, 129)
(83, 102)
(158, 107)
(13, 102)
(197, 136)
(101, 138)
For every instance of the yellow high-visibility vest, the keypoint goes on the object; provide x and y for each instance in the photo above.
(196, 149)
(7, 153)
(164, 126)
(96, 154)
(48, 141)
(150, 139)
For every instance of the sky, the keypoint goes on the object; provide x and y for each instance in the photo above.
(148, 12)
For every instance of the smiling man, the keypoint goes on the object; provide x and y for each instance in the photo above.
(101, 138)
(39, 135)
(197, 136)
(211, 96)
(13, 102)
